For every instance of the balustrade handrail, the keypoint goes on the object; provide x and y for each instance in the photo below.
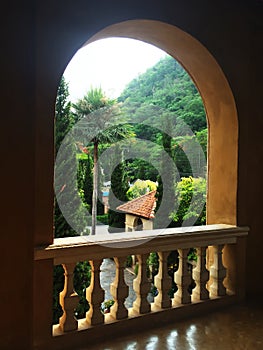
(216, 279)
(80, 248)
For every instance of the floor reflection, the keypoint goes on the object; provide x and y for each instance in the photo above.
(235, 328)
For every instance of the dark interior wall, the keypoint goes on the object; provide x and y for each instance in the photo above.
(17, 174)
(39, 40)
(248, 89)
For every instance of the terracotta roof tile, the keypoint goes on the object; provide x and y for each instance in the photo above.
(142, 206)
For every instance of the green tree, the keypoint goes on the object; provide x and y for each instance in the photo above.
(191, 196)
(98, 119)
(162, 220)
(63, 123)
(82, 276)
(137, 168)
(168, 86)
(119, 187)
(64, 119)
(88, 181)
(85, 178)
(140, 187)
(182, 161)
(202, 139)
(190, 154)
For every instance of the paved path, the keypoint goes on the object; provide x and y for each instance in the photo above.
(107, 276)
(100, 229)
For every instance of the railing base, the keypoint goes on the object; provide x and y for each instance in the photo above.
(87, 336)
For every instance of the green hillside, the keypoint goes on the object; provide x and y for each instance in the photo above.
(169, 87)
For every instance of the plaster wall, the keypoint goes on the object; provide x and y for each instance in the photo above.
(130, 223)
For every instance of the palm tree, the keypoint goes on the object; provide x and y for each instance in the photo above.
(99, 123)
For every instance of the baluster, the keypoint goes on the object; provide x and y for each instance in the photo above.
(218, 273)
(162, 282)
(141, 286)
(68, 300)
(201, 276)
(95, 295)
(182, 279)
(119, 290)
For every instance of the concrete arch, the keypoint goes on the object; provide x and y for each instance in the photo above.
(218, 101)
(138, 224)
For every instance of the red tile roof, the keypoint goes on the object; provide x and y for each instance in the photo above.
(142, 206)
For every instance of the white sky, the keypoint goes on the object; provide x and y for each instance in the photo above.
(110, 64)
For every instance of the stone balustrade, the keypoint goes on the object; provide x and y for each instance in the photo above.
(217, 277)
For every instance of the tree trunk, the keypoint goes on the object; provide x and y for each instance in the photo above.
(95, 190)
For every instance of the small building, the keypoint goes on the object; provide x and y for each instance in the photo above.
(139, 212)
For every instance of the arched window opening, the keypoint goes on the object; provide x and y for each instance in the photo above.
(219, 107)
(218, 101)
(160, 136)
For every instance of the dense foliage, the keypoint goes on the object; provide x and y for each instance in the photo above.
(168, 86)
(141, 187)
(191, 195)
(85, 179)
(165, 108)
(63, 123)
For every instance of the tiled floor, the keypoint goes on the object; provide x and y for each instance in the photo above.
(235, 328)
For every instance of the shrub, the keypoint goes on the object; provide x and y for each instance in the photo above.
(103, 219)
(191, 195)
